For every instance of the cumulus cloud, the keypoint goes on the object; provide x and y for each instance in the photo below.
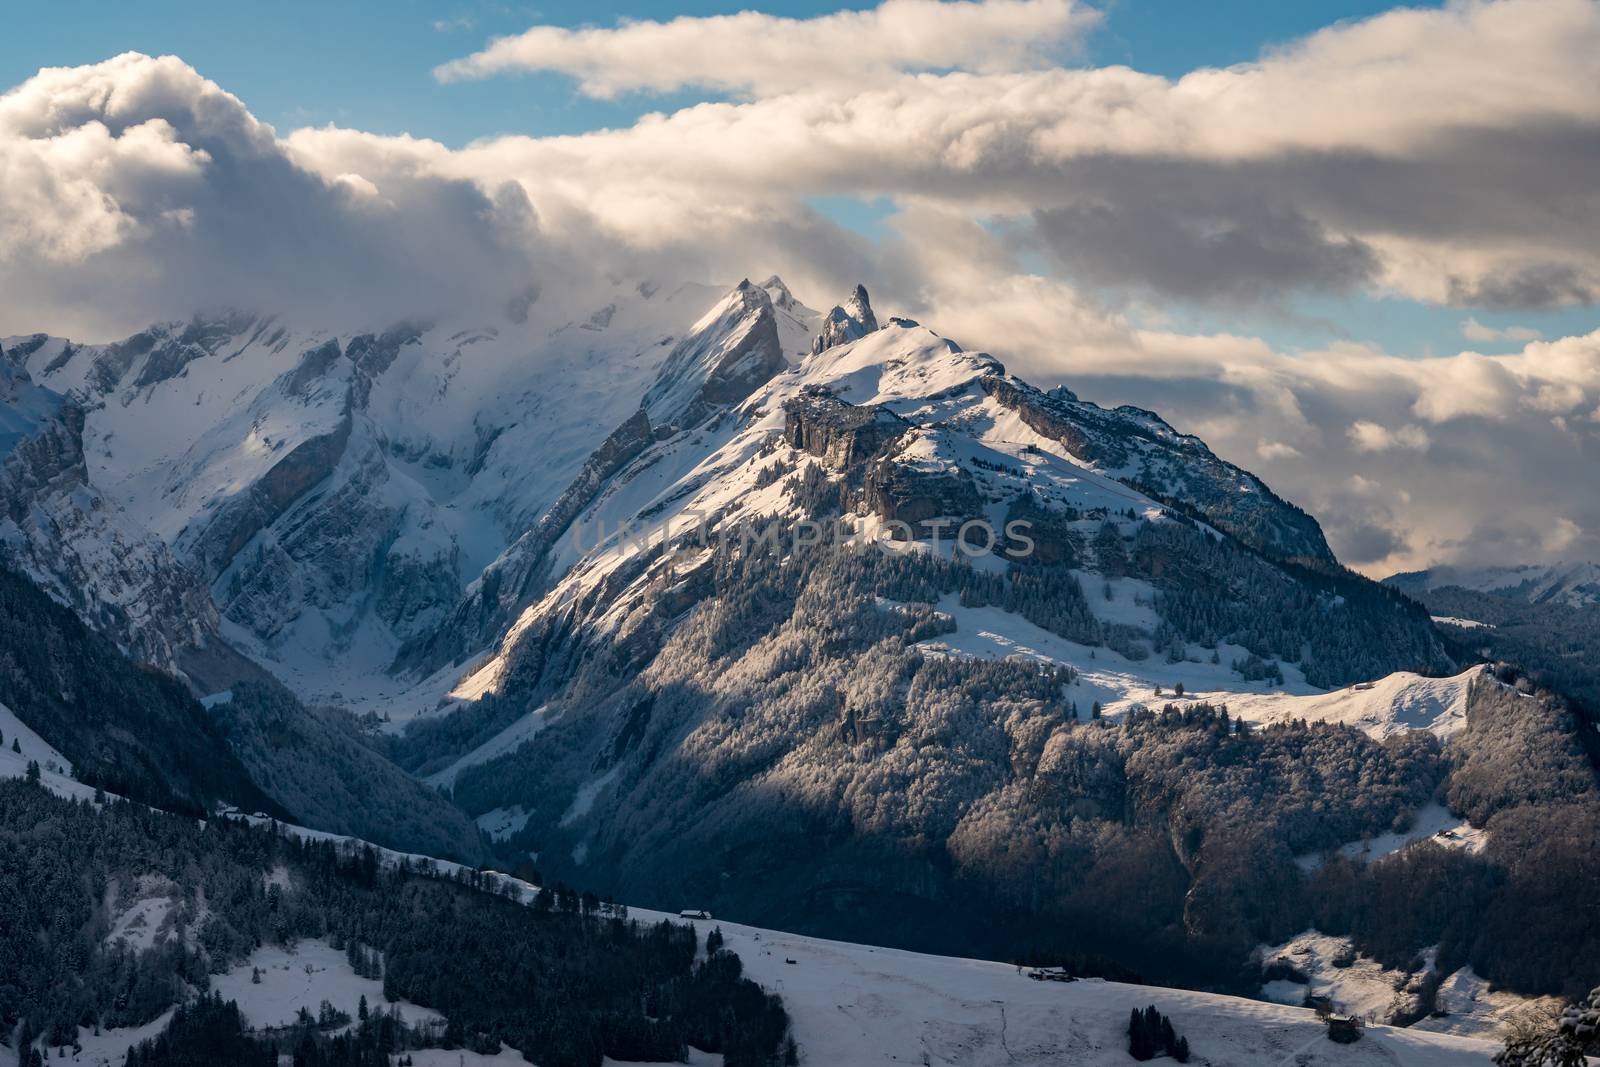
(1370, 437)
(135, 189)
(1446, 155)
(751, 52)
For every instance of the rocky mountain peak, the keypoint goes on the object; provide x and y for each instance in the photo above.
(850, 321)
(782, 297)
(724, 357)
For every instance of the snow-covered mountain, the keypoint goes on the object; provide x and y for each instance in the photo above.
(1575, 583)
(752, 654)
(335, 494)
(59, 528)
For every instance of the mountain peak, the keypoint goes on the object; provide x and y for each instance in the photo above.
(780, 293)
(850, 321)
(731, 351)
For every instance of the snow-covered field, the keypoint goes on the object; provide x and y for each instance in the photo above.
(1431, 823)
(55, 771)
(857, 1005)
(303, 977)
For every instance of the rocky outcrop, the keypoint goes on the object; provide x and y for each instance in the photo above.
(916, 494)
(848, 322)
(247, 514)
(841, 434)
(170, 354)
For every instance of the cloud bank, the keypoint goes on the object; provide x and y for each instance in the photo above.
(1050, 214)
(136, 189)
(759, 54)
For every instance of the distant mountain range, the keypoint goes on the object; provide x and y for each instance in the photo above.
(1575, 582)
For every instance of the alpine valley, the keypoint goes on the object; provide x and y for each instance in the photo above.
(702, 599)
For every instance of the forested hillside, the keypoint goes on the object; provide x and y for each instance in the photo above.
(319, 765)
(132, 730)
(1521, 912)
(565, 980)
(1558, 643)
(138, 733)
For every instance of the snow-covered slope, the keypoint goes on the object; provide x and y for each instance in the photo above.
(861, 1005)
(1329, 967)
(858, 1005)
(59, 529)
(742, 341)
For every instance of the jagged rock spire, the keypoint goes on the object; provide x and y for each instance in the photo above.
(846, 323)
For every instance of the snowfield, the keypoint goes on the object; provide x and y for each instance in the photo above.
(859, 1006)
(304, 977)
(1431, 823)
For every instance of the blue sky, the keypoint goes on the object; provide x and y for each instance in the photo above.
(368, 65)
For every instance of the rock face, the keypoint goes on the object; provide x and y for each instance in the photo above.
(842, 435)
(847, 322)
(919, 494)
(59, 530)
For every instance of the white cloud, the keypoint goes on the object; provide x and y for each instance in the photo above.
(1276, 450)
(1371, 437)
(766, 54)
(1448, 155)
(137, 190)
(1473, 330)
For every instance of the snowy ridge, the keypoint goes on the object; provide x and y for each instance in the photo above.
(1575, 583)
